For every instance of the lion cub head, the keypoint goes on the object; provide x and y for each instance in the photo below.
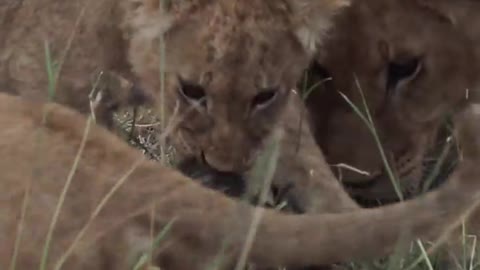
(229, 67)
(413, 66)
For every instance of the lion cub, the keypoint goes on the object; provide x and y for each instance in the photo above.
(115, 201)
(413, 66)
(221, 71)
(415, 62)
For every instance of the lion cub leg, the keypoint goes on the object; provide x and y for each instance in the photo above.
(303, 169)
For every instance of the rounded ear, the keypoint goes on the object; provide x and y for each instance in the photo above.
(313, 18)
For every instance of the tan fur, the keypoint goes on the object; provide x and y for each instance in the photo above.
(241, 49)
(301, 166)
(81, 44)
(465, 18)
(233, 50)
(369, 36)
(38, 150)
(447, 37)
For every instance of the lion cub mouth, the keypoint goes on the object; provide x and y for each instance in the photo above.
(235, 185)
(229, 183)
(378, 189)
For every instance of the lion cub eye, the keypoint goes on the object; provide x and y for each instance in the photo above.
(402, 70)
(192, 92)
(264, 98)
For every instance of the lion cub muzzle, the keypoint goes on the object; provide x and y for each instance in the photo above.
(224, 164)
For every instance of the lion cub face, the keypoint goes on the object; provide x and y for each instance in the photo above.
(230, 67)
(231, 87)
(413, 67)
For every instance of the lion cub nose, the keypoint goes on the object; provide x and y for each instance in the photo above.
(220, 164)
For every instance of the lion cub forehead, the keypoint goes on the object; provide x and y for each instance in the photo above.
(307, 20)
(235, 23)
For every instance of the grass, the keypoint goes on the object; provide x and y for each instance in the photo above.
(368, 121)
(146, 258)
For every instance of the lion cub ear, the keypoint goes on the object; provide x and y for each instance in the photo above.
(313, 18)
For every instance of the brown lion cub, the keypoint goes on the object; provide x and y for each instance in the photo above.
(227, 67)
(113, 202)
(414, 64)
